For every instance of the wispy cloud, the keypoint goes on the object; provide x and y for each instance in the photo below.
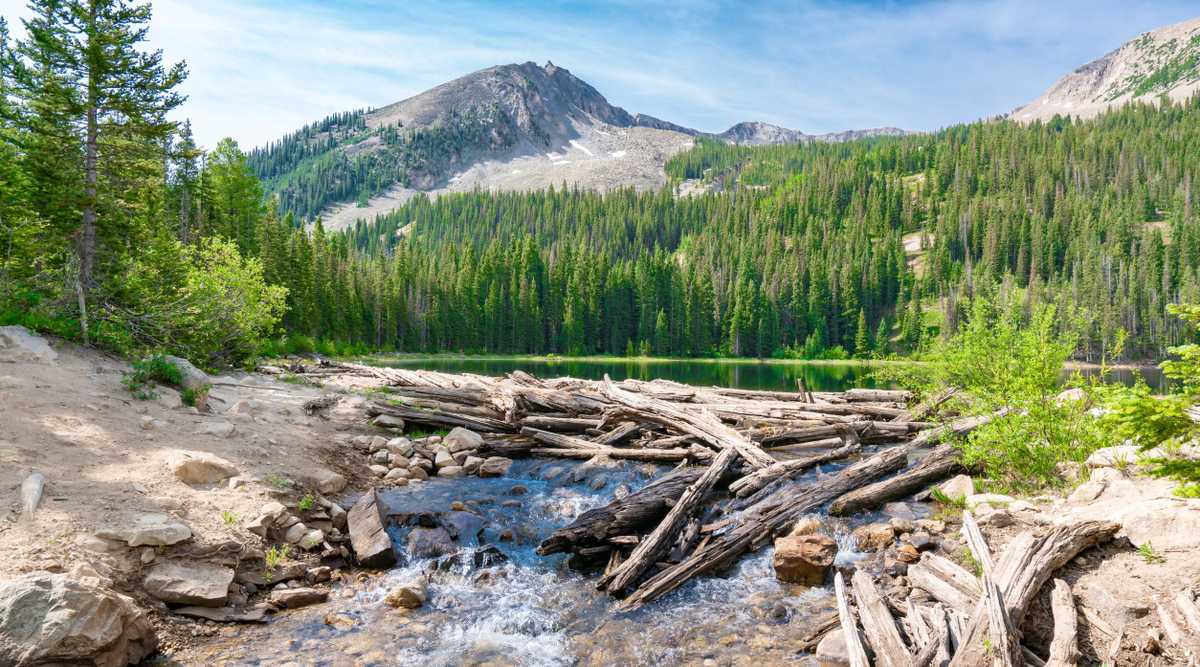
(261, 68)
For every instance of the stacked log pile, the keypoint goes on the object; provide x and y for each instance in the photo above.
(737, 451)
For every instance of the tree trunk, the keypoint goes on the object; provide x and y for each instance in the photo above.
(87, 227)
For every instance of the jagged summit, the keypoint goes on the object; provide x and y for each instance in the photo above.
(1165, 61)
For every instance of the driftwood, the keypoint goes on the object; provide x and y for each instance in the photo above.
(854, 648)
(1003, 647)
(940, 463)
(878, 624)
(439, 418)
(1064, 647)
(642, 508)
(1027, 563)
(946, 582)
(763, 520)
(760, 478)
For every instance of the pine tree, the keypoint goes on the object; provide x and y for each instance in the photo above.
(862, 340)
(93, 87)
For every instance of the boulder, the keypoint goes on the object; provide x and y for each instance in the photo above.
(443, 459)
(417, 473)
(873, 537)
(189, 583)
(372, 545)
(312, 538)
(899, 511)
(804, 559)
(377, 443)
(295, 533)
(193, 378)
(831, 650)
(958, 487)
(460, 440)
(1117, 457)
(199, 467)
(337, 516)
(154, 530)
(400, 446)
(398, 461)
(379, 470)
(408, 595)
(429, 542)
(389, 421)
(495, 466)
(397, 475)
(70, 619)
(451, 472)
(471, 464)
(326, 481)
(291, 598)
(1088, 491)
(19, 344)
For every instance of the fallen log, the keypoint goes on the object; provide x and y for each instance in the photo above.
(658, 542)
(854, 649)
(763, 476)
(925, 408)
(946, 582)
(762, 520)
(939, 464)
(878, 624)
(627, 516)
(439, 418)
(1027, 563)
(1064, 647)
(1004, 648)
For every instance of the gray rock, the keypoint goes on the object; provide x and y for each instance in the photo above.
(372, 545)
(1088, 491)
(417, 473)
(379, 470)
(397, 475)
(311, 539)
(193, 378)
(389, 421)
(217, 429)
(399, 461)
(155, 530)
(70, 619)
(408, 595)
(337, 516)
(429, 542)
(19, 344)
(443, 459)
(471, 464)
(495, 466)
(381, 457)
(295, 533)
(199, 467)
(256, 614)
(451, 472)
(958, 487)
(190, 583)
(831, 650)
(291, 598)
(400, 446)
(377, 443)
(326, 481)
(460, 439)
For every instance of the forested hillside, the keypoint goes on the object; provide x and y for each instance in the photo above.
(862, 248)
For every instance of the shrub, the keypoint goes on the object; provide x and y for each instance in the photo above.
(148, 371)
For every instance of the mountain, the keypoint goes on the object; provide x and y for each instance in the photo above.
(507, 128)
(1160, 62)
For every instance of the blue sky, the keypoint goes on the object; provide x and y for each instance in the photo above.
(260, 68)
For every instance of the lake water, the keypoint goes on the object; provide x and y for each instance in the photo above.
(768, 375)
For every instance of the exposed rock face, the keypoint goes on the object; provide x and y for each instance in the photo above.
(68, 619)
(1159, 62)
(199, 467)
(804, 559)
(190, 583)
(154, 530)
(19, 344)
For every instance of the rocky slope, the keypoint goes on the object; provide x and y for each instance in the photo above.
(510, 127)
(1161, 62)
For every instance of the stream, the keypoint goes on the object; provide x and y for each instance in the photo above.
(535, 611)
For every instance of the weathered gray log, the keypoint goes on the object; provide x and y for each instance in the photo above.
(925, 408)
(764, 519)
(939, 464)
(618, 435)
(439, 418)
(763, 476)
(630, 515)
(1064, 647)
(854, 649)
(877, 395)
(371, 542)
(648, 455)
(703, 425)
(946, 582)
(560, 441)
(1027, 563)
(878, 624)
(1004, 648)
(957, 428)
(655, 545)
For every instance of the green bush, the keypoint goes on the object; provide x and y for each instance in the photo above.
(299, 344)
(1001, 359)
(144, 373)
(1134, 414)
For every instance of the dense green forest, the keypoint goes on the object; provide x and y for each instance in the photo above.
(114, 225)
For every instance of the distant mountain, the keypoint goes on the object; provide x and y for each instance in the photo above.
(510, 127)
(1160, 62)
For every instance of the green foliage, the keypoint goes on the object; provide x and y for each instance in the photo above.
(1135, 415)
(194, 396)
(277, 481)
(139, 380)
(229, 518)
(276, 555)
(1002, 360)
(959, 503)
(306, 503)
(1149, 555)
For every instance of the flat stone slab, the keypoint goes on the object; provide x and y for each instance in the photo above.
(371, 542)
(147, 530)
(189, 583)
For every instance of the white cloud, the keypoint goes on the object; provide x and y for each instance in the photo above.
(261, 68)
